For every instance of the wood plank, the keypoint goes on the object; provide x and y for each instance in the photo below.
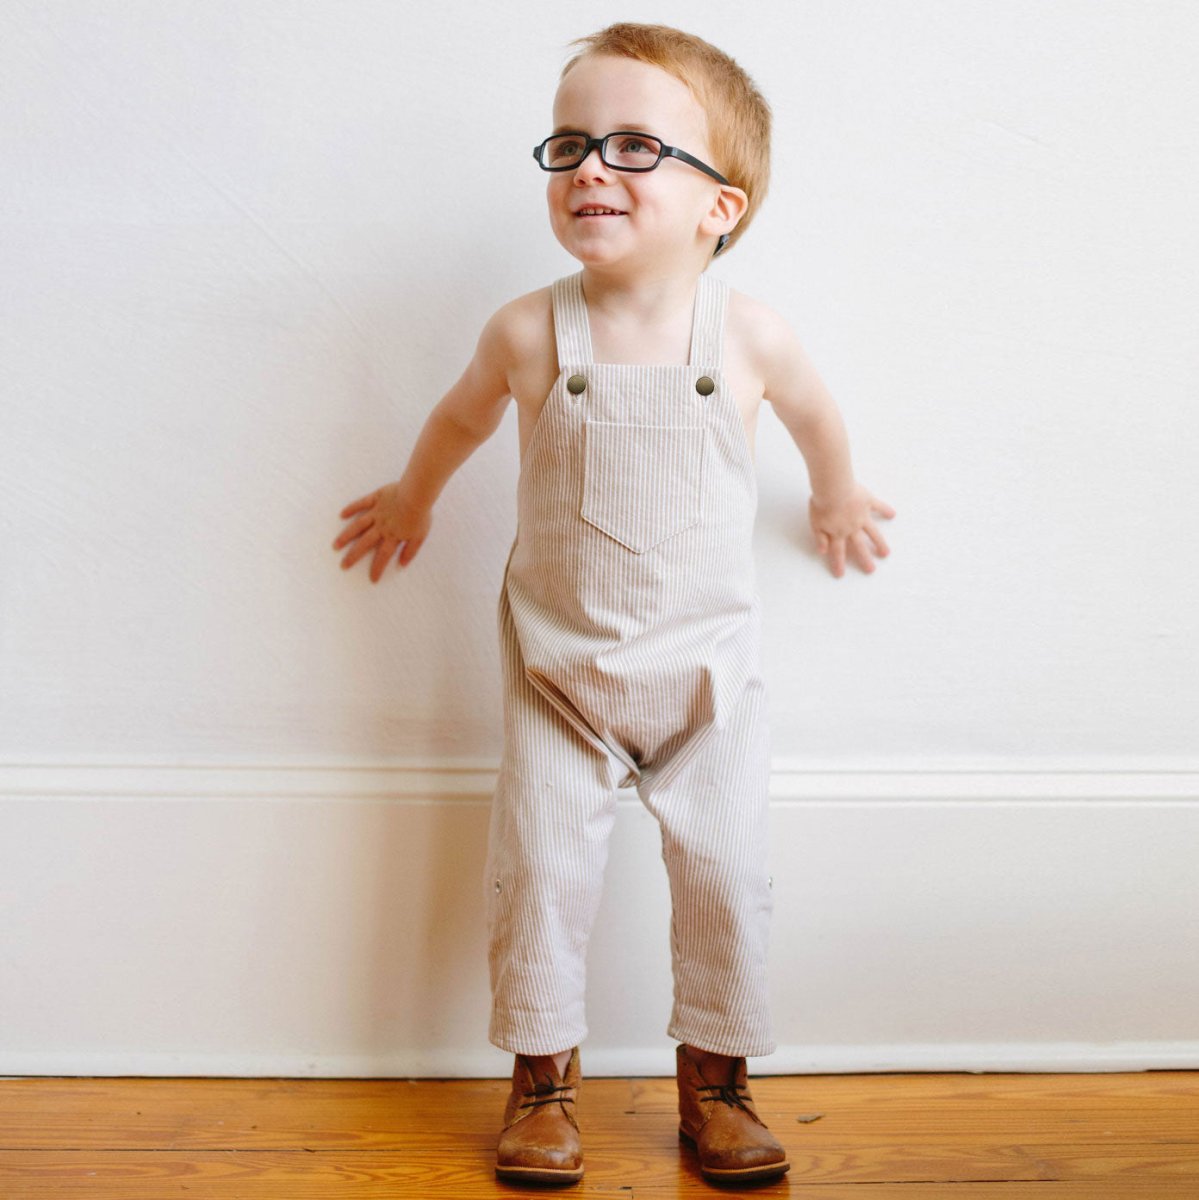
(296, 1175)
(1090, 1091)
(254, 1113)
(970, 1137)
(360, 1114)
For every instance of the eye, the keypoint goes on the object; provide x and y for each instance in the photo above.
(637, 146)
(633, 151)
(564, 149)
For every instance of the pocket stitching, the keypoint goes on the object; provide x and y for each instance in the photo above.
(592, 508)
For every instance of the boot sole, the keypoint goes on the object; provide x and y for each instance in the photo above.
(546, 1175)
(762, 1174)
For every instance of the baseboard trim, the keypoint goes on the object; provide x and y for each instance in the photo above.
(472, 781)
(211, 847)
(485, 1062)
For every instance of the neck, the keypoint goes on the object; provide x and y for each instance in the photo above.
(644, 299)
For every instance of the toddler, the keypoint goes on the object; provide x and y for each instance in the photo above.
(629, 617)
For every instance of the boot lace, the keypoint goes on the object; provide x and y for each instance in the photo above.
(732, 1094)
(548, 1093)
(729, 1093)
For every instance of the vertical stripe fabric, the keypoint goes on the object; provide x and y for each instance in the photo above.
(629, 623)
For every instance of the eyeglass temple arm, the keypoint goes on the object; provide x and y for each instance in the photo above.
(691, 160)
(675, 152)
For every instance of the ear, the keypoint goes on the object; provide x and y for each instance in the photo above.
(728, 207)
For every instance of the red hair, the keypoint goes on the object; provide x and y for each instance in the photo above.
(738, 114)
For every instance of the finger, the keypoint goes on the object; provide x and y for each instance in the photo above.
(881, 507)
(364, 545)
(859, 552)
(358, 505)
(838, 557)
(880, 543)
(352, 531)
(382, 557)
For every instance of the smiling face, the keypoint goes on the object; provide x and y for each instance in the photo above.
(652, 220)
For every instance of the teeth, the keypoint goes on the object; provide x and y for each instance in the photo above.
(596, 212)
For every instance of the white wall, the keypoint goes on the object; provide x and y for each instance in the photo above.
(233, 282)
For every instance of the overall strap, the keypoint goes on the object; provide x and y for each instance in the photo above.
(571, 330)
(707, 324)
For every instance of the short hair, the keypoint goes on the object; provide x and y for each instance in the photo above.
(738, 114)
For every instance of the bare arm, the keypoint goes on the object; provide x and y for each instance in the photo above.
(841, 509)
(462, 420)
(400, 514)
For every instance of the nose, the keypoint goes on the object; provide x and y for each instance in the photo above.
(592, 167)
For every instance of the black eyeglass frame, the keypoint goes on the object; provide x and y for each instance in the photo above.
(602, 143)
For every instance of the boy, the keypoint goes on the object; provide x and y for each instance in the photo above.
(628, 615)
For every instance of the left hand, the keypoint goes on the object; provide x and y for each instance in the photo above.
(844, 528)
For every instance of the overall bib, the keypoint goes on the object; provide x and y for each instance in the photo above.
(629, 624)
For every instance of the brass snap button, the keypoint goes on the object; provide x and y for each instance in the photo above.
(575, 384)
(704, 386)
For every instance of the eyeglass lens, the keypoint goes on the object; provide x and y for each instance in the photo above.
(619, 150)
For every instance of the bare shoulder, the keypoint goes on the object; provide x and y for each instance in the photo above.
(763, 335)
(768, 343)
(520, 331)
(519, 338)
(752, 319)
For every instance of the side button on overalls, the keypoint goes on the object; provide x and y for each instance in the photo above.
(629, 622)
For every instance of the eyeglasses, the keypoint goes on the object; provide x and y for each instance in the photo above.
(624, 150)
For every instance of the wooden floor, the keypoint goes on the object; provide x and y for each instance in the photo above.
(850, 1137)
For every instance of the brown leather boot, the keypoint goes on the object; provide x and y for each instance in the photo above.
(540, 1142)
(718, 1118)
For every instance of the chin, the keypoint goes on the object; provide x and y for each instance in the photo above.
(591, 255)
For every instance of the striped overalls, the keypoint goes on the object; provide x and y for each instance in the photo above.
(629, 627)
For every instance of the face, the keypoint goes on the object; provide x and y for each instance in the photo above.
(652, 217)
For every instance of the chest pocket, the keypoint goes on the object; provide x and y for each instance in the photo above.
(643, 484)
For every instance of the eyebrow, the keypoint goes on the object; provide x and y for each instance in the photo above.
(629, 126)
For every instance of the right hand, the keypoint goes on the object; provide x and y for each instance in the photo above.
(384, 521)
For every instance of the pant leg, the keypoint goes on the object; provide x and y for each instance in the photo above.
(713, 813)
(551, 816)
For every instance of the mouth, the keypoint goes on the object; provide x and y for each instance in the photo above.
(597, 211)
